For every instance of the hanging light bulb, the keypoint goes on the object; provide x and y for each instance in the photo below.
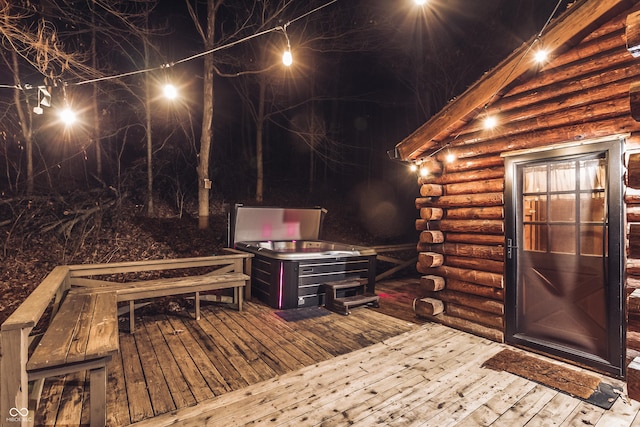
(68, 116)
(413, 167)
(420, 2)
(424, 171)
(450, 157)
(287, 58)
(541, 56)
(170, 91)
(490, 122)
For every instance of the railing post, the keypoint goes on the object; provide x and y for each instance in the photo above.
(14, 390)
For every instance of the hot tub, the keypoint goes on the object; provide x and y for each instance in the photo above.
(301, 249)
(291, 264)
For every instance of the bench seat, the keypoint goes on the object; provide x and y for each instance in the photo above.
(83, 335)
(156, 288)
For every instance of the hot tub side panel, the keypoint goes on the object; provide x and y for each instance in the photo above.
(285, 284)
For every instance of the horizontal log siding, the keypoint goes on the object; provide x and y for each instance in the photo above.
(581, 94)
(632, 200)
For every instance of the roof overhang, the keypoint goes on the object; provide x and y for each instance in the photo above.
(568, 29)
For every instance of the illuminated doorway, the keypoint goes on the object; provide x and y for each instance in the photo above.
(564, 293)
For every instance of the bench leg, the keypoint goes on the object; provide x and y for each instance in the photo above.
(238, 295)
(98, 396)
(132, 316)
(197, 305)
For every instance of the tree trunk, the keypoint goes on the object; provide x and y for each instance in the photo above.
(204, 184)
(96, 114)
(25, 123)
(147, 105)
(259, 140)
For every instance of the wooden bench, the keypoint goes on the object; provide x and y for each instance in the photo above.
(228, 273)
(82, 335)
(83, 330)
(147, 289)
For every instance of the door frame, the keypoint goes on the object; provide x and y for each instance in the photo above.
(613, 147)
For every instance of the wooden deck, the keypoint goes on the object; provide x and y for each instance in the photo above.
(253, 368)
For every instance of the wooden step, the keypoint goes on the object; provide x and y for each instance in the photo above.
(342, 305)
(344, 284)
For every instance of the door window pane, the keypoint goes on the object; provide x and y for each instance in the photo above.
(535, 208)
(562, 207)
(535, 238)
(592, 207)
(591, 239)
(592, 174)
(535, 179)
(563, 176)
(562, 239)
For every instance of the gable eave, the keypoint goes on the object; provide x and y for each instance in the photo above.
(567, 30)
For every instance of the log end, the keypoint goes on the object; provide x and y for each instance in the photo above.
(428, 306)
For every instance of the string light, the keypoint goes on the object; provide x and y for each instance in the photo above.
(490, 122)
(67, 116)
(541, 56)
(287, 58)
(450, 157)
(170, 92)
(198, 55)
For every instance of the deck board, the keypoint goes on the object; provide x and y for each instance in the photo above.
(206, 368)
(117, 399)
(140, 407)
(190, 371)
(180, 392)
(376, 366)
(157, 384)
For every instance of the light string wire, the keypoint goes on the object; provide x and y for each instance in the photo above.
(525, 53)
(210, 51)
(486, 105)
(192, 57)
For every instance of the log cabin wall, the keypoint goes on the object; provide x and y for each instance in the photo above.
(581, 94)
